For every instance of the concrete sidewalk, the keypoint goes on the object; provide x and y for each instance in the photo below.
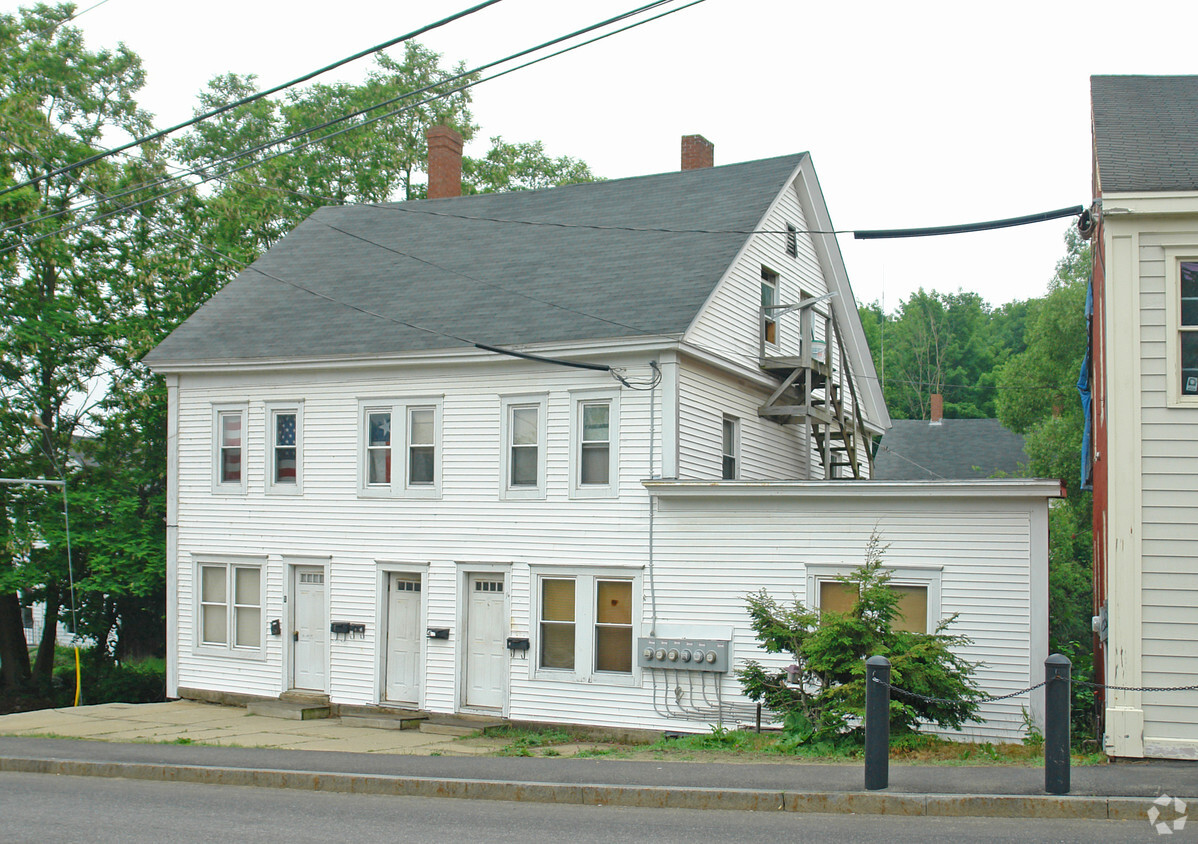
(328, 756)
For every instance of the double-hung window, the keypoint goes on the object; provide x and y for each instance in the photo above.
(284, 425)
(731, 448)
(228, 452)
(769, 302)
(400, 451)
(594, 460)
(585, 622)
(1187, 328)
(230, 607)
(522, 432)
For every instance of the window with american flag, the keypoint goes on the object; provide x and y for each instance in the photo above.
(400, 442)
(228, 449)
(285, 430)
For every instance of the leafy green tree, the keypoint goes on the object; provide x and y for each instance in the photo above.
(1038, 398)
(521, 166)
(823, 697)
(946, 343)
(58, 102)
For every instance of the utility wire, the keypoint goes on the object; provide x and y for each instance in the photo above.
(200, 170)
(43, 33)
(250, 99)
(209, 176)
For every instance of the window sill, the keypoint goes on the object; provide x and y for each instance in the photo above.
(549, 675)
(243, 654)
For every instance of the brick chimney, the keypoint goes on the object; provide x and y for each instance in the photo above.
(444, 162)
(697, 152)
(937, 408)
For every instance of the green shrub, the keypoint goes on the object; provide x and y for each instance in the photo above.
(825, 701)
(108, 681)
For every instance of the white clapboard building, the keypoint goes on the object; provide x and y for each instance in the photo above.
(523, 455)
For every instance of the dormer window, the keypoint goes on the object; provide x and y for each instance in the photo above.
(769, 300)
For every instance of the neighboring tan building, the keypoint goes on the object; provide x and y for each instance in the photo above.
(1145, 409)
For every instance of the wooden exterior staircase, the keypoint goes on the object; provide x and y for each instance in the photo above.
(816, 390)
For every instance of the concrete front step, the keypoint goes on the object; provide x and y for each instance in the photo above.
(447, 729)
(385, 722)
(291, 710)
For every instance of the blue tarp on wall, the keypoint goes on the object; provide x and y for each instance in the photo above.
(1083, 387)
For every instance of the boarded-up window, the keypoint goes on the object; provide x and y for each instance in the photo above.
(912, 617)
(557, 623)
(613, 625)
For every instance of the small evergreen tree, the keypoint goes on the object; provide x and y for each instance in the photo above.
(822, 696)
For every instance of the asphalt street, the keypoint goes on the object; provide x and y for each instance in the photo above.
(39, 808)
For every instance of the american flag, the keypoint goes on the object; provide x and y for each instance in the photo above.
(285, 461)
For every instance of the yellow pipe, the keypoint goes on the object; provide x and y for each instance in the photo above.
(78, 679)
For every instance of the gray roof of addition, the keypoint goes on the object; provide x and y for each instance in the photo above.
(953, 449)
(1146, 132)
(438, 274)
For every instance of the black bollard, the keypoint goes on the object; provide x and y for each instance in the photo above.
(1056, 724)
(877, 723)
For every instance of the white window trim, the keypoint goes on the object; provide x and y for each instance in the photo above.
(272, 409)
(912, 574)
(735, 455)
(1174, 256)
(584, 623)
(506, 405)
(229, 488)
(230, 562)
(612, 488)
(400, 465)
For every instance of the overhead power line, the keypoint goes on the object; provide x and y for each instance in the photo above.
(203, 169)
(250, 99)
(963, 228)
(206, 176)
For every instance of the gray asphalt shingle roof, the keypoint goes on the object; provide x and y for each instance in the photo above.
(437, 281)
(1146, 132)
(954, 449)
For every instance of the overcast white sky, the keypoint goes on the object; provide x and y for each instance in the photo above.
(915, 114)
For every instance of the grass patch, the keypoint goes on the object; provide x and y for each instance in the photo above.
(522, 741)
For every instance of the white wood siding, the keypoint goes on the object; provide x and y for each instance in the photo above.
(1169, 526)
(768, 451)
(710, 552)
(470, 524)
(728, 324)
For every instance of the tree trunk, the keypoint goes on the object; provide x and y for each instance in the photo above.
(43, 667)
(14, 650)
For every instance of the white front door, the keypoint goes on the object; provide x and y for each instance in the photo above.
(486, 659)
(310, 633)
(403, 638)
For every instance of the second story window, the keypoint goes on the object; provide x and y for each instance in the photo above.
(595, 449)
(378, 448)
(421, 447)
(285, 472)
(229, 449)
(769, 300)
(523, 443)
(414, 431)
(731, 448)
(594, 424)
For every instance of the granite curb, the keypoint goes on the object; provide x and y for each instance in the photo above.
(677, 797)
